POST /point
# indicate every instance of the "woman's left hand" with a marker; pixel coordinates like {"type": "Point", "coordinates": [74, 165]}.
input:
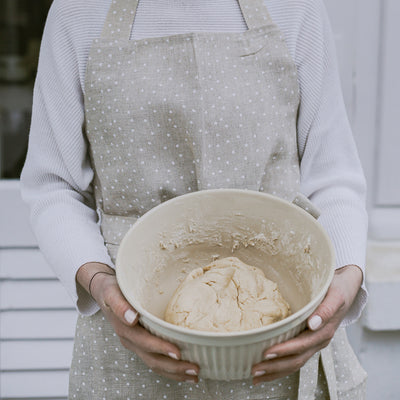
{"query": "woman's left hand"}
{"type": "Point", "coordinates": [288, 357]}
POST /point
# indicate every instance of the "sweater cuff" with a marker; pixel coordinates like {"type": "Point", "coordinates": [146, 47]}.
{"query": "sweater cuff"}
{"type": "Point", "coordinates": [347, 255]}
{"type": "Point", "coordinates": [347, 227]}
{"type": "Point", "coordinates": [354, 313]}
{"type": "Point", "coordinates": [85, 304]}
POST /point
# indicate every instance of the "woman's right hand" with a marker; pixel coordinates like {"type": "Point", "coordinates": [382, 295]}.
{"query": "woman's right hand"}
{"type": "Point", "coordinates": [159, 355]}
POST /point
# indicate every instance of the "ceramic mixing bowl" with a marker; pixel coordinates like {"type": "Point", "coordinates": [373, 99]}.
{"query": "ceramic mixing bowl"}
{"type": "Point", "coordinates": [192, 230]}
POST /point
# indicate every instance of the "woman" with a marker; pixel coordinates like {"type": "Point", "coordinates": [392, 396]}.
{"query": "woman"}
{"type": "Point", "coordinates": [136, 103]}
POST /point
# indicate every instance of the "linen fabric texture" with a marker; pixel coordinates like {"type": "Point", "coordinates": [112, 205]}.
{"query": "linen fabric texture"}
{"type": "Point", "coordinates": [171, 115]}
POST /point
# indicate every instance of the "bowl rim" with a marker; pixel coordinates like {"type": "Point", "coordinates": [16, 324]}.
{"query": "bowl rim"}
{"type": "Point", "coordinates": [288, 321]}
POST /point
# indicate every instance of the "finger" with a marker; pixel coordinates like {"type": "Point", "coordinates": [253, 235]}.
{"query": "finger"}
{"type": "Point", "coordinates": [164, 365]}
{"type": "Point", "coordinates": [268, 378]}
{"type": "Point", "coordinates": [281, 366]}
{"type": "Point", "coordinates": [115, 300]}
{"type": "Point", "coordinates": [329, 309]}
{"type": "Point", "coordinates": [179, 378]}
{"type": "Point", "coordinates": [300, 344]}
{"type": "Point", "coordinates": [139, 339]}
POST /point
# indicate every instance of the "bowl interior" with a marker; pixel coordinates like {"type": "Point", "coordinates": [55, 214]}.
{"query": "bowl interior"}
{"type": "Point", "coordinates": [192, 230]}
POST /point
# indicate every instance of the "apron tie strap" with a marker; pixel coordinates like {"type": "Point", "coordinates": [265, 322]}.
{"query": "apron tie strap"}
{"type": "Point", "coordinates": [304, 203]}
{"type": "Point", "coordinates": [329, 370]}
{"type": "Point", "coordinates": [308, 380]}
{"type": "Point", "coordinates": [114, 227]}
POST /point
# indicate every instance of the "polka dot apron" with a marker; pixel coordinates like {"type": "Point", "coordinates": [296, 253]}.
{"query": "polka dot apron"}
{"type": "Point", "coordinates": [171, 115]}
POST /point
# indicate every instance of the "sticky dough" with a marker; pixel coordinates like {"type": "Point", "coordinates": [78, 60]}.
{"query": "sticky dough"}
{"type": "Point", "coordinates": [224, 296]}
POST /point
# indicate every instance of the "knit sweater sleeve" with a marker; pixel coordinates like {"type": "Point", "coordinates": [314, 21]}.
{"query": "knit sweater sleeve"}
{"type": "Point", "coordinates": [56, 178]}
{"type": "Point", "coordinates": [331, 173]}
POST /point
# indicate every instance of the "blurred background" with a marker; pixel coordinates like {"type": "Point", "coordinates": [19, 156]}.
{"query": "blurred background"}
{"type": "Point", "coordinates": [21, 26]}
{"type": "Point", "coordinates": [37, 319]}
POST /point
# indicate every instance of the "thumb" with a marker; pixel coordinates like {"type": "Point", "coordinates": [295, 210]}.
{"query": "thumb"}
{"type": "Point", "coordinates": [115, 300]}
{"type": "Point", "coordinates": [327, 310]}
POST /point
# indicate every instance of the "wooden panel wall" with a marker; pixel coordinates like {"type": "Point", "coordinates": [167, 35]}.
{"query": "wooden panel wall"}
{"type": "Point", "coordinates": [37, 318]}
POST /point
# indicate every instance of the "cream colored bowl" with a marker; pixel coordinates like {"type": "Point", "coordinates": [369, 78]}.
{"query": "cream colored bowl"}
{"type": "Point", "coordinates": [189, 231]}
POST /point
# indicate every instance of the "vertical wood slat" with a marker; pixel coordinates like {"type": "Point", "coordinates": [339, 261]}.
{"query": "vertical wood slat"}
{"type": "Point", "coordinates": [387, 180]}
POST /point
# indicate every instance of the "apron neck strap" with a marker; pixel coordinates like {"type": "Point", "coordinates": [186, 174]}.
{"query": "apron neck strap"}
{"type": "Point", "coordinates": [120, 17]}
{"type": "Point", "coordinates": [255, 13]}
{"type": "Point", "coordinates": [119, 20]}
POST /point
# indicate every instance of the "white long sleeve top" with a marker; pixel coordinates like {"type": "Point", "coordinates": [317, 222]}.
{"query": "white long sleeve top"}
{"type": "Point", "coordinates": [56, 179]}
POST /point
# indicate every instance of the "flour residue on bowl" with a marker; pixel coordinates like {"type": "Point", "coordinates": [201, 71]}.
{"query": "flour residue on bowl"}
{"type": "Point", "coordinates": [268, 237]}
{"type": "Point", "coordinates": [265, 238]}
{"type": "Point", "coordinates": [284, 254]}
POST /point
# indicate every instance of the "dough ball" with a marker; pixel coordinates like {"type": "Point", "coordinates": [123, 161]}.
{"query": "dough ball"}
{"type": "Point", "coordinates": [224, 296]}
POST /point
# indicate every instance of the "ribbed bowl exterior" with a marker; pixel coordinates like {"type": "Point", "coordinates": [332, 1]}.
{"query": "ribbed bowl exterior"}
{"type": "Point", "coordinates": [226, 362]}
{"type": "Point", "coordinates": [231, 355]}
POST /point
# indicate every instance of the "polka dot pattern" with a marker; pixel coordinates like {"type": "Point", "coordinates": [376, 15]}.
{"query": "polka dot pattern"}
{"type": "Point", "coordinates": [170, 115]}
{"type": "Point", "coordinates": [102, 368]}
{"type": "Point", "coordinates": [121, 16]}
{"type": "Point", "coordinates": [190, 112]}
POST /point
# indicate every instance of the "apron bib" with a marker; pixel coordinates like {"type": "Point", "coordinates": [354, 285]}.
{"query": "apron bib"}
{"type": "Point", "coordinates": [171, 115]}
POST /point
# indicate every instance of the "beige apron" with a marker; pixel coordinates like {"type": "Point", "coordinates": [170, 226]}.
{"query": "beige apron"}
{"type": "Point", "coordinates": [187, 112]}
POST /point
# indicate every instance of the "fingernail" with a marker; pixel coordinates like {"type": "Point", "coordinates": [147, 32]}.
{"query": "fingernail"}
{"type": "Point", "coordinates": [315, 322]}
{"type": "Point", "coordinates": [190, 381]}
{"type": "Point", "coordinates": [130, 316]}
{"type": "Point", "coordinates": [191, 372]}
{"type": "Point", "coordinates": [270, 356]}
{"type": "Point", "coordinates": [259, 373]}
{"type": "Point", "coordinates": [174, 356]}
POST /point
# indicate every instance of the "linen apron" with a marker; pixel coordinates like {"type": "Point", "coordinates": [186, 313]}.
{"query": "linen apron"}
{"type": "Point", "coordinates": [171, 115]}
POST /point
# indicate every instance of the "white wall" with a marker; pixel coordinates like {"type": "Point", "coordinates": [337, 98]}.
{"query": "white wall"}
{"type": "Point", "coordinates": [367, 33]}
